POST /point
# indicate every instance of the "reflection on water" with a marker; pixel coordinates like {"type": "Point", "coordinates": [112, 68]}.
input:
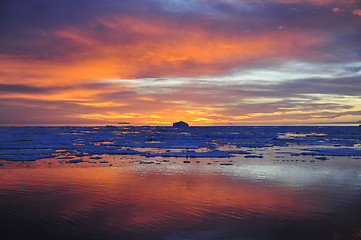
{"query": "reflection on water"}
{"type": "Point", "coordinates": [157, 202]}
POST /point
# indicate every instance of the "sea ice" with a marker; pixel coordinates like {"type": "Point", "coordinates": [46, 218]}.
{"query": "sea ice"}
{"type": "Point", "coordinates": [65, 158]}
{"type": "Point", "coordinates": [253, 156]}
{"type": "Point", "coordinates": [192, 154]}
{"type": "Point", "coordinates": [333, 151]}
{"type": "Point", "coordinates": [75, 161]}
{"type": "Point", "coordinates": [19, 157]}
{"type": "Point", "coordinates": [32, 143]}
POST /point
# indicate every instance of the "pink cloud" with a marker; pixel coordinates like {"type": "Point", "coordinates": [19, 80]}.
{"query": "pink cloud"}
{"type": "Point", "coordinates": [357, 12]}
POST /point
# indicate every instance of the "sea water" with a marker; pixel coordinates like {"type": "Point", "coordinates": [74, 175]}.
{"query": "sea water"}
{"type": "Point", "coordinates": [192, 183]}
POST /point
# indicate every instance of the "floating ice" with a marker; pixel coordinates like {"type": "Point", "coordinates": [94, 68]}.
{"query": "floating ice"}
{"type": "Point", "coordinates": [253, 156]}
{"type": "Point", "coordinates": [32, 143]}
{"type": "Point", "coordinates": [333, 151]}
{"type": "Point", "coordinates": [26, 151]}
{"type": "Point", "coordinates": [146, 162]}
{"type": "Point", "coordinates": [83, 154]}
{"type": "Point", "coordinates": [19, 157]}
{"type": "Point", "coordinates": [193, 154]}
{"type": "Point", "coordinates": [75, 161]}
{"type": "Point", "coordinates": [173, 144]}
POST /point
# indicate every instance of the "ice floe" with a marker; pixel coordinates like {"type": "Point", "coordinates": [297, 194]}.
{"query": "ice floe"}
{"type": "Point", "coordinates": [333, 151]}
{"type": "Point", "coordinates": [193, 154]}
{"type": "Point", "coordinates": [75, 161]}
{"type": "Point", "coordinates": [253, 156]}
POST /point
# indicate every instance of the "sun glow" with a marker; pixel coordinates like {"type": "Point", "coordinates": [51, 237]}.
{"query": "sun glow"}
{"type": "Point", "coordinates": [205, 65]}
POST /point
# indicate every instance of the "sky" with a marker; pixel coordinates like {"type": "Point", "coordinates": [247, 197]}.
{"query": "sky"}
{"type": "Point", "coordinates": [155, 62]}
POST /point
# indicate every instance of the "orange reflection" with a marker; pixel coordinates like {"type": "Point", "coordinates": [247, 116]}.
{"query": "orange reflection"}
{"type": "Point", "coordinates": [157, 199]}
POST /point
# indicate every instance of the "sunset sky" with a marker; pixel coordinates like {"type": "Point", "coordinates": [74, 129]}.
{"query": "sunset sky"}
{"type": "Point", "coordinates": [154, 62]}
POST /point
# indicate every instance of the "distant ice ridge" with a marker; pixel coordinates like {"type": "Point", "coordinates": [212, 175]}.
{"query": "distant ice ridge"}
{"type": "Point", "coordinates": [32, 143]}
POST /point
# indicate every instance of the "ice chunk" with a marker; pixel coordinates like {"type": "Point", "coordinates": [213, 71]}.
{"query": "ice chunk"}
{"type": "Point", "coordinates": [26, 151]}
{"type": "Point", "coordinates": [239, 152]}
{"type": "Point", "coordinates": [83, 154]}
{"type": "Point", "coordinates": [146, 162]}
{"type": "Point", "coordinates": [253, 156]}
{"type": "Point", "coordinates": [19, 157]}
{"type": "Point", "coordinates": [65, 157]}
{"type": "Point", "coordinates": [333, 151]}
{"type": "Point", "coordinates": [193, 154]}
{"type": "Point", "coordinates": [121, 152]}
{"type": "Point", "coordinates": [75, 161]}
{"type": "Point", "coordinates": [180, 124]}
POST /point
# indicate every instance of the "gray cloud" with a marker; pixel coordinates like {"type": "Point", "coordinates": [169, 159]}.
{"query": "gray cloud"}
{"type": "Point", "coordinates": [20, 88]}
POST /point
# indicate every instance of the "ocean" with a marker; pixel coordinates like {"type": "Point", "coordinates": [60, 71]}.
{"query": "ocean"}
{"type": "Point", "coordinates": [254, 183]}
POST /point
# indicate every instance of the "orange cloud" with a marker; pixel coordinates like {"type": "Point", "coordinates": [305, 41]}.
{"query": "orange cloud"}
{"type": "Point", "coordinates": [159, 49]}
{"type": "Point", "coordinates": [135, 47]}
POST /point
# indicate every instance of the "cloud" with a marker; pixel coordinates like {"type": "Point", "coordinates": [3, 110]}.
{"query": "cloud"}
{"type": "Point", "coordinates": [204, 103]}
{"type": "Point", "coordinates": [132, 47]}
{"type": "Point", "coordinates": [20, 88]}
{"type": "Point", "coordinates": [338, 86]}
{"type": "Point", "coordinates": [313, 2]}
{"type": "Point", "coordinates": [152, 61]}
{"type": "Point", "coordinates": [357, 12]}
